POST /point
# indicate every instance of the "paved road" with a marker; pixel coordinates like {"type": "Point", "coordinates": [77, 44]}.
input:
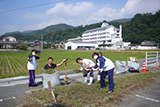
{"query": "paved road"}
{"type": "Point", "coordinates": [12, 94]}
{"type": "Point", "coordinates": [147, 97]}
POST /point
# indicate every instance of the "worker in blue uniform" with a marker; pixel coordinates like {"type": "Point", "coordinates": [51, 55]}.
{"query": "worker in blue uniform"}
{"type": "Point", "coordinates": [106, 66]}
{"type": "Point", "coordinates": [31, 66]}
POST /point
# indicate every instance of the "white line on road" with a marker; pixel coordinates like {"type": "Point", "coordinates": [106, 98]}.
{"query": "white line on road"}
{"type": "Point", "coordinates": [8, 98]}
{"type": "Point", "coordinates": [151, 99]}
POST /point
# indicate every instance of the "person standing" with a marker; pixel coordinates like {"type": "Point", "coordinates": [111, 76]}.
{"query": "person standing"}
{"type": "Point", "coordinates": [87, 64]}
{"type": "Point", "coordinates": [106, 66]}
{"type": "Point", "coordinates": [31, 66]}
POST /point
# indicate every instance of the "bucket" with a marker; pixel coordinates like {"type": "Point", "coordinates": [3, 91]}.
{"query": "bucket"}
{"type": "Point", "coordinates": [66, 80]}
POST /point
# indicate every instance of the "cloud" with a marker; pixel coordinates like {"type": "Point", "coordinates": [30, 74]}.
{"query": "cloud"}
{"type": "Point", "coordinates": [34, 15]}
{"type": "Point", "coordinates": [80, 9]}
{"type": "Point", "coordinates": [131, 8]}
{"type": "Point", "coordinates": [140, 6]}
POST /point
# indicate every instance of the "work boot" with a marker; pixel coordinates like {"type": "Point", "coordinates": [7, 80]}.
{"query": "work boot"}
{"type": "Point", "coordinates": [91, 80]}
{"type": "Point", "coordinates": [85, 80]}
{"type": "Point", "coordinates": [98, 79]}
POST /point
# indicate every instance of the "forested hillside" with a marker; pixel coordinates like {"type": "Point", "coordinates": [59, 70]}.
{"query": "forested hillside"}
{"type": "Point", "coordinates": [49, 29]}
{"type": "Point", "coordinates": [36, 34]}
{"type": "Point", "coordinates": [141, 27]}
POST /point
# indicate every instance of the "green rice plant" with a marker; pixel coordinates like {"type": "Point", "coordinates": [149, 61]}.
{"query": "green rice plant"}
{"type": "Point", "coordinates": [17, 63]}
{"type": "Point", "coordinates": [7, 67]}
{"type": "Point", "coordinates": [4, 65]}
{"type": "Point", "coordinates": [13, 65]}
{"type": "Point", "coordinates": [10, 67]}
{"type": "Point", "coordinates": [18, 69]}
{"type": "Point", "coordinates": [22, 69]}
{"type": "Point", "coordinates": [19, 60]}
{"type": "Point", "coordinates": [1, 61]}
{"type": "Point", "coordinates": [13, 68]}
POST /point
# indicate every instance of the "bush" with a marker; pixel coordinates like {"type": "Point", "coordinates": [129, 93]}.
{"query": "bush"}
{"type": "Point", "coordinates": [105, 45]}
{"type": "Point", "coordinates": [23, 47]}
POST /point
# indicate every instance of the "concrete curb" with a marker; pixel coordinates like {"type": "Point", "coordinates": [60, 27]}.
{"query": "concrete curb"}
{"type": "Point", "coordinates": [25, 79]}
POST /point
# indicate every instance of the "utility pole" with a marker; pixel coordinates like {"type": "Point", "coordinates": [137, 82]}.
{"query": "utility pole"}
{"type": "Point", "coordinates": [41, 42]}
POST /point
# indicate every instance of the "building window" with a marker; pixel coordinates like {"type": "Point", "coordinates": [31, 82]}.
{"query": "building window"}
{"type": "Point", "coordinates": [69, 48]}
{"type": "Point", "coordinates": [7, 39]}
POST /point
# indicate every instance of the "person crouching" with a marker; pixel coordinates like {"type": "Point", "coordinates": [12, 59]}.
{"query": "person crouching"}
{"type": "Point", "coordinates": [87, 64]}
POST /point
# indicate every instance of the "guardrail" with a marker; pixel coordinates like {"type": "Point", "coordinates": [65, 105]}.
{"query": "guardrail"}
{"type": "Point", "coordinates": [151, 58]}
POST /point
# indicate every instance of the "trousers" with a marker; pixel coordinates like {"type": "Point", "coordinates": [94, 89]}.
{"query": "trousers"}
{"type": "Point", "coordinates": [32, 77]}
{"type": "Point", "coordinates": [110, 79]}
{"type": "Point", "coordinates": [86, 72]}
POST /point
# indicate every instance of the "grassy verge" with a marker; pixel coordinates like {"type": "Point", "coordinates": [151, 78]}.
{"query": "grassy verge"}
{"type": "Point", "coordinates": [79, 95]}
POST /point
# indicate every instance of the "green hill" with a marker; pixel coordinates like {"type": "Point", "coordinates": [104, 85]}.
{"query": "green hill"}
{"type": "Point", "coordinates": [141, 27]}
{"type": "Point", "coordinates": [49, 29]}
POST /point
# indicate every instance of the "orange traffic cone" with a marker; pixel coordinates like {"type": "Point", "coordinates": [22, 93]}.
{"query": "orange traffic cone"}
{"type": "Point", "coordinates": [144, 68]}
{"type": "Point", "coordinates": [157, 65]}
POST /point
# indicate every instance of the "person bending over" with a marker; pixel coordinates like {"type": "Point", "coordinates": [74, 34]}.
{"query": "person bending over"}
{"type": "Point", "coordinates": [106, 66]}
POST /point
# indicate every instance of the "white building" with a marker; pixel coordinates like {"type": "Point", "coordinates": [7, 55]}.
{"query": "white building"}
{"type": "Point", "coordinates": [106, 34]}
{"type": "Point", "coordinates": [78, 44]}
{"type": "Point", "coordinates": [8, 42]}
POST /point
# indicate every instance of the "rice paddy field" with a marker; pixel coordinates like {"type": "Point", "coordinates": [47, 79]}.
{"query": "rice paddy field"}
{"type": "Point", "coordinates": [15, 64]}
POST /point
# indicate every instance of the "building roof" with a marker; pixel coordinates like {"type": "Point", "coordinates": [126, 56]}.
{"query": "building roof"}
{"type": "Point", "coordinates": [83, 42]}
{"type": "Point", "coordinates": [75, 39]}
{"type": "Point", "coordinates": [148, 43]}
{"type": "Point", "coordinates": [7, 36]}
{"type": "Point", "coordinates": [119, 43]}
{"type": "Point", "coordinates": [8, 42]}
{"type": "Point", "coordinates": [105, 26]}
{"type": "Point", "coordinates": [27, 42]}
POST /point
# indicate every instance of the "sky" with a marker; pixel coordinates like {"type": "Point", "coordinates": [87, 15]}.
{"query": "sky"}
{"type": "Point", "coordinates": [22, 15]}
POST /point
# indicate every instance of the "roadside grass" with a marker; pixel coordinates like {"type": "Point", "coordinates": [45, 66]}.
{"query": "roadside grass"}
{"type": "Point", "coordinates": [18, 61]}
{"type": "Point", "coordinates": [80, 95]}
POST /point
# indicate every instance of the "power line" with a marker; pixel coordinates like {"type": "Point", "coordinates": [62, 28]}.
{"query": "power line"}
{"type": "Point", "coordinates": [32, 6]}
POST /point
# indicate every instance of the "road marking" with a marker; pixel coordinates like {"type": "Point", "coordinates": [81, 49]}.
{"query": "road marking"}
{"type": "Point", "coordinates": [151, 99]}
{"type": "Point", "coordinates": [8, 98]}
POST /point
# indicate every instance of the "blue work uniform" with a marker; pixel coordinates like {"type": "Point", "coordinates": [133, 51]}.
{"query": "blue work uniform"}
{"type": "Point", "coordinates": [31, 66]}
{"type": "Point", "coordinates": [107, 67]}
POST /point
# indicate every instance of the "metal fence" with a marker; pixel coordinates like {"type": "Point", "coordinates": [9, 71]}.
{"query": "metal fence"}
{"type": "Point", "coordinates": [151, 58]}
